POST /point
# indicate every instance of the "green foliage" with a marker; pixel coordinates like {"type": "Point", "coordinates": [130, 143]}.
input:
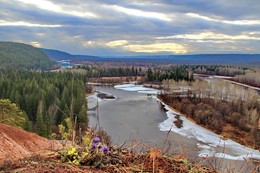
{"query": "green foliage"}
{"type": "Point", "coordinates": [86, 141]}
{"type": "Point", "coordinates": [69, 124]}
{"type": "Point", "coordinates": [11, 114]}
{"type": "Point", "coordinates": [23, 56]}
{"type": "Point", "coordinates": [63, 134]}
{"type": "Point", "coordinates": [40, 127]}
{"type": "Point", "coordinates": [70, 155]}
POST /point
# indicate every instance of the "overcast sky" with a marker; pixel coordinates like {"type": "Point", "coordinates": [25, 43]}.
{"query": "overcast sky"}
{"type": "Point", "coordinates": [134, 27]}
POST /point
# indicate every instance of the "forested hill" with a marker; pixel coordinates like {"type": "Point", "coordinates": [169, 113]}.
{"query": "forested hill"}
{"type": "Point", "coordinates": [57, 55]}
{"type": "Point", "coordinates": [23, 56]}
{"type": "Point", "coordinates": [60, 55]}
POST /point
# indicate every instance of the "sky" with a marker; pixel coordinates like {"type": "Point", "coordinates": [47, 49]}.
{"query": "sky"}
{"type": "Point", "coordinates": [134, 27]}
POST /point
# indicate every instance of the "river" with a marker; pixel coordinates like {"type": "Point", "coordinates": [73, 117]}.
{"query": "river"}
{"type": "Point", "coordinates": [135, 116]}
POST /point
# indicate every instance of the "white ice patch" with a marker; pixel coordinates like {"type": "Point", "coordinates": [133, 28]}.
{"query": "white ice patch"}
{"type": "Point", "coordinates": [154, 92]}
{"type": "Point", "coordinates": [137, 88]}
{"type": "Point", "coordinates": [209, 139]}
{"type": "Point", "coordinates": [93, 99]}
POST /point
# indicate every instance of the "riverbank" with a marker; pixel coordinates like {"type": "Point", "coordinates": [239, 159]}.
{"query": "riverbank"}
{"type": "Point", "coordinates": [210, 140]}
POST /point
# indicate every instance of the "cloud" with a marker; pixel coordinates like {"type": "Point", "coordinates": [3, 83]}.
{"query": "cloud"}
{"type": "Point", "coordinates": [210, 36]}
{"type": "Point", "coordinates": [24, 23]}
{"type": "Point", "coordinates": [35, 44]}
{"type": "Point", "coordinates": [88, 44]}
{"type": "Point", "coordinates": [133, 27]}
{"type": "Point", "coordinates": [157, 47]}
{"type": "Point", "coordinates": [234, 22]}
{"type": "Point", "coordinates": [116, 43]}
{"type": "Point", "coordinates": [50, 6]}
{"type": "Point", "coordinates": [140, 13]}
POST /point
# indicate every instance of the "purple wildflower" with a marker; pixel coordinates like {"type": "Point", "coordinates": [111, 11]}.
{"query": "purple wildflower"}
{"type": "Point", "coordinates": [96, 140]}
{"type": "Point", "coordinates": [94, 145]}
{"type": "Point", "coordinates": [105, 149]}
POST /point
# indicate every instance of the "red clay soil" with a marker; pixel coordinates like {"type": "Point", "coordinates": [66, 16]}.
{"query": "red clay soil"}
{"type": "Point", "coordinates": [16, 143]}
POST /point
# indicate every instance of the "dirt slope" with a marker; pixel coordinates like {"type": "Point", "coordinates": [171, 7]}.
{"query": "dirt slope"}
{"type": "Point", "coordinates": [16, 143]}
{"type": "Point", "coordinates": [24, 152]}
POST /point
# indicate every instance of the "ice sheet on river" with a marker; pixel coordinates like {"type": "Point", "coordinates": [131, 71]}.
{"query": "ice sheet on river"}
{"type": "Point", "coordinates": [137, 88]}
{"type": "Point", "coordinates": [209, 141]}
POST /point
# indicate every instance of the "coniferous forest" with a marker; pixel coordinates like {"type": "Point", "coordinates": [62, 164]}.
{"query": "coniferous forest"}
{"type": "Point", "coordinates": [23, 56]}
{"type": "Point", "coordinates": [46, 98]}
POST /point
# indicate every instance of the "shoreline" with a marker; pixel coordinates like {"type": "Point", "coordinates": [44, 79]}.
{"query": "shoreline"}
{"type": "Point", "coordinates": [224, 135]}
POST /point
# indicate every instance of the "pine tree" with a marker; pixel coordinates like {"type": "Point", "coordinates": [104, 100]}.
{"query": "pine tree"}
{"type": "Point", "coordinates": [40, 127]}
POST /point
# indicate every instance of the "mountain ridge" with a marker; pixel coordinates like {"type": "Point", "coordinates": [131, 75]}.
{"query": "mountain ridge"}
{"type": "Point", "coordinates": [207, 59]}
{"type": "Point", "coordinates": [58, 55]}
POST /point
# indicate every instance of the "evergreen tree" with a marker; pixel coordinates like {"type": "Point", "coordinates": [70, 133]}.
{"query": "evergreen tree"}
{"type": "Point", "coordinates": [40, 127]}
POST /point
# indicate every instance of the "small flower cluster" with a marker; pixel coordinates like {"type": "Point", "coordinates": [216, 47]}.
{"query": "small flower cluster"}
{"type": "Point", "coordinates": [71, 155]}
{"type": "Point", "coordinates": [97, 145]}
{"type": "Point", "coordinates": [94, 151]}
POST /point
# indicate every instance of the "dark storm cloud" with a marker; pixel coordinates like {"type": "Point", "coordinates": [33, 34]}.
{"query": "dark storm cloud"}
{"type": "Point", "coordinates": [133, 26]}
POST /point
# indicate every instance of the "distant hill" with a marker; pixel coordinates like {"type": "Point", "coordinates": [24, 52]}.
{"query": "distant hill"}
{"type": "Point", "coordinates": [23, 56]}
{"type": "Point", "coordinates": [87, 57]}
{"type": "Point", "coordinates": [60, 55]}
{"type": "Point", "coordinates": [57, 55]}
{"type": "Point", "coordinates": [207, 59]}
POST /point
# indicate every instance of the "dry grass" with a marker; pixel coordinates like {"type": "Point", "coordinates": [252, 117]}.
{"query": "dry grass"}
{"type": "Point", "coordinates": [119, 160]}
{"type": "Point", "coordinates": [237, 135]}
{"type": "Point", "coordinates": [128, 160]}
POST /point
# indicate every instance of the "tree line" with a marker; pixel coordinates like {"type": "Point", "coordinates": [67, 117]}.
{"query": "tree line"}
{"type": "Point", "coordinates": [149, 74]}
{"type": "Point", "coordinates": [175, 74]}
{"type": "Point", "coordinates": [97, 72]}
{"type": "Point", "coordinates": [220, 70]}
{"type": "Point", "coordinates": [251, 79]}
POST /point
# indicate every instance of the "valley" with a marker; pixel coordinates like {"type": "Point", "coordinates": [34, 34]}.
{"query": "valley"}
{"type": "Point", "coordinates": [180, 108]}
